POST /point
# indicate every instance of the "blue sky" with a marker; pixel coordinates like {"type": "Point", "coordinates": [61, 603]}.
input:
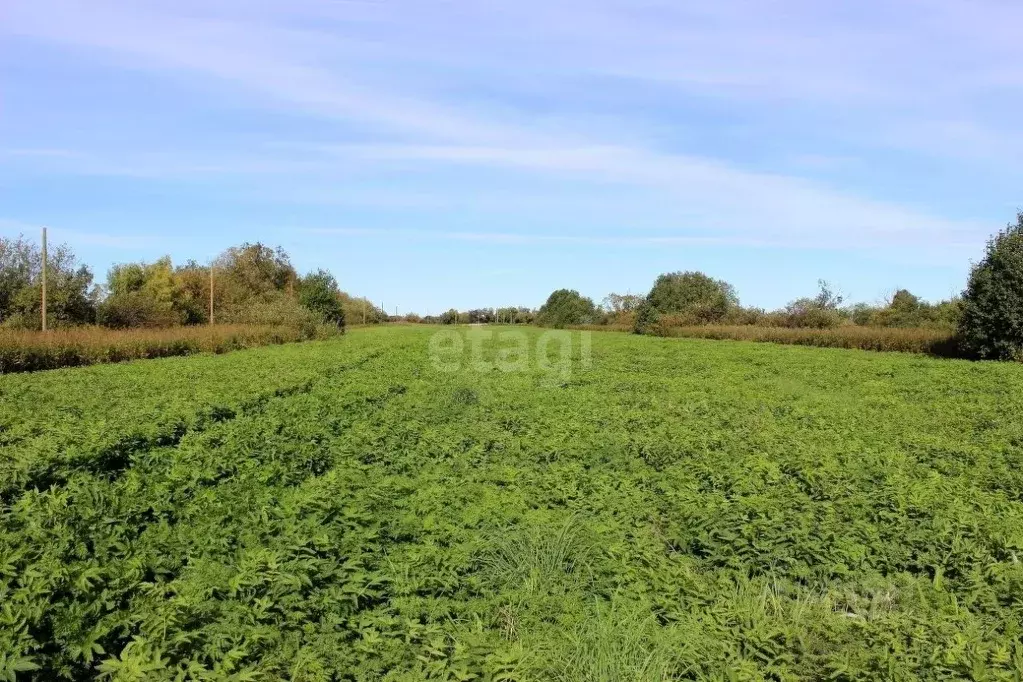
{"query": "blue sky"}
{"type": "Point", "coordinates": [455, 153]}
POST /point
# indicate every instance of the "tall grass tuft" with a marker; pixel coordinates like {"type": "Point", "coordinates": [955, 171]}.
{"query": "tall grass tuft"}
{"type": "Point", "coordinates": [618, 643]}
{"type": "Point", "coordinates": [30, 351]}
{"type": "Point", "coordinates": [536, 558]}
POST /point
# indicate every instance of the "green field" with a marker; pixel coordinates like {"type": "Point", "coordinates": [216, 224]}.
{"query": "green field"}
{"type": "Point", "coordinates": [668, 509]}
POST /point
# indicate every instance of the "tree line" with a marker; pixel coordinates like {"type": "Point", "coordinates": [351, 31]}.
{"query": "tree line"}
{"type": "Point", "coordinates": [985, 322]}
{"type": "Point", "coordinates": [251, 284]}
{"type": "Point", "coordinates": [257, 284]}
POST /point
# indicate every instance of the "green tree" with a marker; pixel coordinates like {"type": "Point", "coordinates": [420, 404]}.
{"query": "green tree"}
{"type": "Point", "coordinates": [252, 271]}
{"type": "Point", "coordinates": [192, 292]}
{"type": "Point", "coordinates": [693, 296]}
{"type": "Point", "coordinates": [142, 295]}
{"type": "Point", "coordinates": [621, 309]}
{"type": "Point", "coordinates": [906, 303]}
{"type": "Point", "coordinates": [991, 325]}
{"type": "Point", "coordinates": [566, 307]}
{"type": "Point", "coordinates": [618, 304]}
{"type": "Point", "coordinates": [318, 291]}
{"type": "Point", "coordinates": [70, 297]}
{"type": "Point", "coordinates": [359, 309]}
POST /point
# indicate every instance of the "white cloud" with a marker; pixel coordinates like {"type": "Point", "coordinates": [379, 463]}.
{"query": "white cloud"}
{"type": "Point", "coordinates": [56, 235]}
{"type": "Point", "coordinates": [405, 75]}
{"type": "Point", "coordinates": [782, 208]}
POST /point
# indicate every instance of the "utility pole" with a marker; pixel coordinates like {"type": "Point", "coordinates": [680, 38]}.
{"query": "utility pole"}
{"type": "Point", "coordinates": [44, 279]}
{"type": "Point", "coordinates": [211, 294]}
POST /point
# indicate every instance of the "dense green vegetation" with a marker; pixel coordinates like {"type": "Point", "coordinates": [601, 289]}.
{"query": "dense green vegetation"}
{"type": "Point", "coordinates": [692, 296]}
{"type": "Point", "coordinates": [566, 307]}
{"type": "Point", "coordinates": [257, 285]}
{"type": "Point", "coordinates": [670, 509]}
{"type": "Point", "coordinates": [252, 284]}
{"type": "Point", "coordinates": [992, 321]}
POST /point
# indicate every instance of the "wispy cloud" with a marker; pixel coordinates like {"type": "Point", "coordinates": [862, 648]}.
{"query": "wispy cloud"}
{"type": "Point", "coordinates": [33, 231]}
{"type": "Point", "coordinates": [785, 209]}
{"type": "Point", "coordinates": [508, 87]}
{"type": "Point", "coordinates": [624, 239]}
{"type": "Point", "coordinates": [523, 239]}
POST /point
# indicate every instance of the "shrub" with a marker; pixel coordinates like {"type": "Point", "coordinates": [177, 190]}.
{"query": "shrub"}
{"type": "Point", "coordinates": [318, 292]}
{"type": "Point", "coordinates": [360, 310]}
{"type": "Point", "coordinates": [692, 296]}
{"type": "Point", "coordinates": [744, 316]}
{"type": "Point", "coordinates": [819, 312]}
{"type": "Point", "coordinates": [136, 309]}
{"type": "Point", "coordinates": [804, 314]}
{"type": "Point", "coordinates": [566, 307]}
{"type": "Point", "coordinates": [275, 309]}
{"type": "Point", "coordinates": [907, 310]}
{"type": "Point", "coordinates": [992, 319]}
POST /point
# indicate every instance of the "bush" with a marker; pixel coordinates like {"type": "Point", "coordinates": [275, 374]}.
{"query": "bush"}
{"type": "Point", "coordinates": [804, 314]}
{"type": "Point", "coordinates": [690, 296]}
{"type": "Point", "coordinates": [275, 309]}
{"type": "Point", "coordinates": [567, 307]}
{"type": "Point", "coordinates": [819, 312]}
{"type": "Point", "coordinates": [738, 315]}
{"type": "Point", "coordinates": [907, 310]}
{"type": "Point", "coordinates": [137, 309]}
{"type": "Point", "coordinates": [318, 292]}
{"type": "Point", "coordinates": [991, 326]}
{"type": "Point", "coordinates": [360, 310]}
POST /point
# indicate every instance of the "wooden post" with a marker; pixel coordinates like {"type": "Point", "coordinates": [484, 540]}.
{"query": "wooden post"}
{"type": "Point", "coordinates": [44, 279]}
{"type": "Point", "coordinates": [211, 294]}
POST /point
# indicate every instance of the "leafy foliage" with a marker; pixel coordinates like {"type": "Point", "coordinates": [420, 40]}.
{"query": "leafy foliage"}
{"type": "Point", "coordinates": [361, 310]}
{"type": "Point", "coordinates": [566, 307]}
{"type": "Point", "coordinates": [141, 295]}
{"type": "Point", "coordinates": [70, 295]}
{"type": "Point", "coordinates": [677, 510]}
{"type": "Point", "coordinates": [692, 297]}
{"type": "Point", "coordinates": [819, 312]}
{"type": "Point", "coordinates": [318, 292]}
{"type": "Point", "coordinates": [992, 319]}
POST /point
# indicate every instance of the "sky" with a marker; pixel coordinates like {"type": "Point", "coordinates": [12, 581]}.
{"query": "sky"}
{"type": "Point", "coordinates": [471, 154]}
